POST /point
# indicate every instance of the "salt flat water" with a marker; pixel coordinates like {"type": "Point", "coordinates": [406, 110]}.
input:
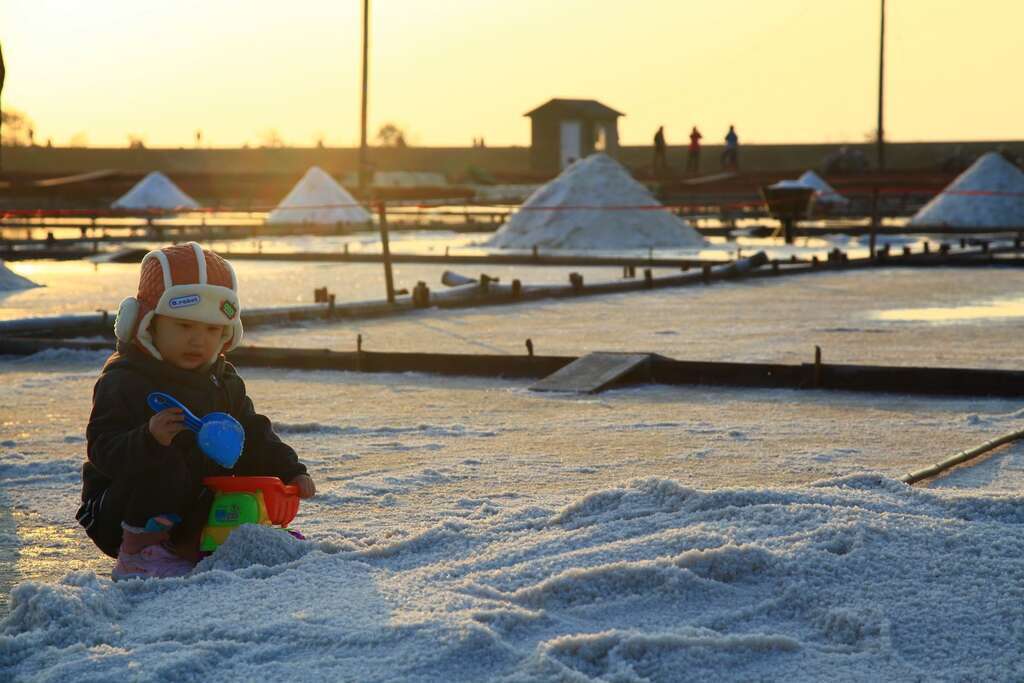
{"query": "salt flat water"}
{"type": "Point", "coordinates": [86, 286]}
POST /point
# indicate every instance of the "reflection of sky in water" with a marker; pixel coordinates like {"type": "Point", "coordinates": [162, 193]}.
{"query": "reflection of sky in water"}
{"type": "Point", "coordinates": [1000, 308]}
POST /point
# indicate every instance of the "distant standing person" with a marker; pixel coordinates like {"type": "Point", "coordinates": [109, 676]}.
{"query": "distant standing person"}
{"type": "Point", "coordinates": [660, 162]}
{"type": "Point", "coordinates": [693, 156]}
{"type": "Point", "coordinates": [731, 155]}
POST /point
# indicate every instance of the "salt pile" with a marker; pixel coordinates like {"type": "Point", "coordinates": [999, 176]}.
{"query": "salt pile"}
{"type": "Point", "coordinates": [824, 193]}
{"type": "Point", "coordinates": [587, 207]}
{"type": "Point", "coordinates": [11, 281]}
{"type": "Point", "coordinates": [155, 191]}
{"type": "Point", "coordinates": [852, 578]}
{"type": "Point", "coordinates": [989, 194]}
{"type": "Point", "coordinates": [318, 198]}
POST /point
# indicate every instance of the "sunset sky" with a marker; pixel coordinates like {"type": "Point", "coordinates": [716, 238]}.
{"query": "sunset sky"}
{"type": "Point", "coordinates": [447, 71]}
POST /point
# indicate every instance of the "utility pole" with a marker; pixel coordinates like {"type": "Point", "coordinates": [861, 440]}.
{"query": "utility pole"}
{"type": "Point", "coordinates": [881, 92]}
{"type": "Point", "coordinates": [3, 73]}
{"type": "Point", "coordinates": [880, 141]}
{"type": "Point", "coordinates": [362, 129]}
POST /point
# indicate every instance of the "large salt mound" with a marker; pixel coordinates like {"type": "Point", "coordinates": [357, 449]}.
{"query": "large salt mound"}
{"type": "Point", "coordinates": [567, 213]}
{"type": "Point", "coordinates": [989, 194]}
{"type": "Point", "coordinates": [852, 579]}
{"type": "Point", "coordinates": [318, 198]}
{"type": "Point", "coordinates": [155, 191]}
{"type": "Point", "coordinates": [11, 281]}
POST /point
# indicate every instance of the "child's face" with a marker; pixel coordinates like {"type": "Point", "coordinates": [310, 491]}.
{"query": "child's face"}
{"type": "Point", "coordinates": [184, 343]}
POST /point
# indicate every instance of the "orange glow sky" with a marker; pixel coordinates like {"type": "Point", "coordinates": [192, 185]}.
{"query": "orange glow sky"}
{"type": "Point", "coordinates": [450, 70]}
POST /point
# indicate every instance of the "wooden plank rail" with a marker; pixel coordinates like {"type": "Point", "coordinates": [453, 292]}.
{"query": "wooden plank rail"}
{"type": "Point", "coordinates": [960, 458]}
{"type": "Point", "coordinates": [93, 236]}
{"type": "Point", "coordinates": [968, 382]}
{"type": "Point", "coordinates": [541, 259]}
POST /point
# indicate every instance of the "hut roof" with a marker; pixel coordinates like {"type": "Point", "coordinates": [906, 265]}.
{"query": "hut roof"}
{"type": "Point", "coordinates": [591, 109]}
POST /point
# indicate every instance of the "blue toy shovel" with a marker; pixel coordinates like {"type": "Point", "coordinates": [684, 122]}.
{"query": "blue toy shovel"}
{"type": "Point", "coordinates": [220, 436]}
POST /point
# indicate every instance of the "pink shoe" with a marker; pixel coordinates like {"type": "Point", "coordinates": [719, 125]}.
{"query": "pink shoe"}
{"type": "Point", "coordinates": [153, 561]}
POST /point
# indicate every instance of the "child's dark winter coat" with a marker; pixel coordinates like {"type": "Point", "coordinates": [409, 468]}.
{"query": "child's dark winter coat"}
{"type": "Point", "coordinates": [130, 477]}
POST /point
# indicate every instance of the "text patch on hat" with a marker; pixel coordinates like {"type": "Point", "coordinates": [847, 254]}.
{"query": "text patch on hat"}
{"type": "Point", "coordinates": [183, 301]}
{"type": "Point", "coordinates": [228, 309]}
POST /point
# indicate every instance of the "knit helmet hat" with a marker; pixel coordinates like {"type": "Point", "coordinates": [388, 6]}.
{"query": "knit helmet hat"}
{"type": "Point", "coordinates": [183, 281]}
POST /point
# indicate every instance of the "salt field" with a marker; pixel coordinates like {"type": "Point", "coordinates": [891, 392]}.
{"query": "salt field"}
{"type": "Point", "coordinates": [84, 286]}
{"type": "Point", "coordinates": [471, 529]}
{"type": "Point", "coordinates": [597, 376]}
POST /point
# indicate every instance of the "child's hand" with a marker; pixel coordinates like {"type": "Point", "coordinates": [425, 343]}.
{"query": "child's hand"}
{"type": "Point", "coordinates": [166, 424]}
{"type": "Point", "coordinates": [307, 489]}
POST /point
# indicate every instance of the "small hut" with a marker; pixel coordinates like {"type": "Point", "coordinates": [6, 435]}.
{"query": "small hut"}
{"type": "Point", "coordinates": [566, 130]}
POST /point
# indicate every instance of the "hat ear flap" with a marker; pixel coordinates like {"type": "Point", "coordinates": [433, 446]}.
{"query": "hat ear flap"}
{"type": "Point", "coordinates": [232, 335]}
{"type": "Point", "coordinates": [127, 318]}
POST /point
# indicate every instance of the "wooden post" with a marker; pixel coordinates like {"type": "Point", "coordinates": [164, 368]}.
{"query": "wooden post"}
{"type": "Point", "coordinates": [872, 241]}
{"type": "Point", "coordinates": [881, 91]}
{"type": "Point", "coordinates": [421, 295]}
{"type": "Point", "coordinates": [363, 170]}
{"type": "Point", "coordinates": [359, 343]}
{"type": "Point", "coordinates": [817, 367]}
{"type": "Point", "coordinates": [330, 305]}
{"type": "Point", "coordinates": [576, 280]}
{"type": "Point", "coordinates": [648, 278]}
{"type": "Point", "coordinates": [385, 247]}
{"type": "Point", "coordinates": [529, 347]}
{"type": "Point", "coordinates": [787, 228]}
{"type": "Point", "coordinates": [517, 289]}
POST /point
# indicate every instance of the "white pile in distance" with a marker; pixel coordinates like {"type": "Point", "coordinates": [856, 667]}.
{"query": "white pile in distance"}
{"type": "Point", "coordinates": [11, 281]}
{"type": "Point", "coordinates": [825, 193]}
{"type": "Point", "coordinates": [989, 194]}
{"type": "Point", "coordinates": [155, 191]}
{"type": "Point", "coordinates": [561, 214]}
{"type": "Point", "coordinates": [318, 198]}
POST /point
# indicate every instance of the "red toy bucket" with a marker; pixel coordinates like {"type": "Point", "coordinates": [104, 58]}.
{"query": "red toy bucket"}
{"type": "Point", "coordinates": [282, 501]}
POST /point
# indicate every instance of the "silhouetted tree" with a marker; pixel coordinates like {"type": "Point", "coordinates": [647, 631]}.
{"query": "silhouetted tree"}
{"type": "Point", "coordinates": [17, 128]}
{"type": "Point", "coordinates": [391, 135]}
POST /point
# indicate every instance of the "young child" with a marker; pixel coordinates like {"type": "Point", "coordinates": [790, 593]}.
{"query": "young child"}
{"type": "Point", "coordinates": [143, 500]}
